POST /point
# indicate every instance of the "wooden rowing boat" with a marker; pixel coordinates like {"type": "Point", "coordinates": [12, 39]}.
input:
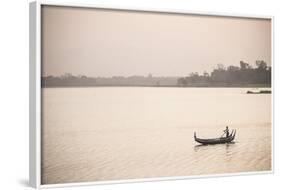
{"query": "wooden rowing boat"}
{"type": "Point", "coordinates": [220, 140]}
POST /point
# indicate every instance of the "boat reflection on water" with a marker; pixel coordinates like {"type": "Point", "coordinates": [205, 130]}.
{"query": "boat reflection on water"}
{"type": "Point", "coordinates": [224, 153]}
{"type": "Point", "coordinates": [226, 146]}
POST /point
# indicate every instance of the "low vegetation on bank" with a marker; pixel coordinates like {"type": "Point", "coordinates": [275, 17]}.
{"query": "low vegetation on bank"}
{"type": "Point", "coordinates": [232, 76]}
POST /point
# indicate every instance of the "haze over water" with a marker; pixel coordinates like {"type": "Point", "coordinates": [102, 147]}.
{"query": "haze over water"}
{"type": "Point", "coordinates": [113, 133]}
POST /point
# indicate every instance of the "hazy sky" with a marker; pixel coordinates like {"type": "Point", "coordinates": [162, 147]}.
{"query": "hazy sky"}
{"type": "Point", "coordinates": [97, 42]}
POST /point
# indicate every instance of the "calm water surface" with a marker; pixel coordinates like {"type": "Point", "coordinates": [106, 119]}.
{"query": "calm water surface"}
{"type": "Point", "coordinates": [113, 133]}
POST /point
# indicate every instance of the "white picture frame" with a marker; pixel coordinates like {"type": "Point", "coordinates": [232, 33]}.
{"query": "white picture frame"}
{"type": "Point", "coordinates": [35, 89]}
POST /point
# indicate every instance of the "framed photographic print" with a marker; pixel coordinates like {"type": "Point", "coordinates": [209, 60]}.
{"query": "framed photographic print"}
{"type": "Point", "coordinates": [120, 94]}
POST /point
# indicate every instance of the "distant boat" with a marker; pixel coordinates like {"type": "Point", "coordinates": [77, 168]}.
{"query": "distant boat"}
{"type": "Point", "coordinates": [259, 92]}
{"type": "Point", "coordinates": [220, 140]}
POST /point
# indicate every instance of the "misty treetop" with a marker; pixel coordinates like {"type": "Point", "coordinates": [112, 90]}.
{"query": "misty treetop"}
{"type": "Point", "coordinates": [245, 75]}
{"type": "Point", "coordinates": [221, 76]}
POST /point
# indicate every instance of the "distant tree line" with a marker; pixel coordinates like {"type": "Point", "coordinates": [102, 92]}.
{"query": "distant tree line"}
{"type": "Point", "coordinates": [242, 76]}
{"type": "Point", "coordinates": [68, 80]}
{"type": "Point", "coordinates": [232, 76]}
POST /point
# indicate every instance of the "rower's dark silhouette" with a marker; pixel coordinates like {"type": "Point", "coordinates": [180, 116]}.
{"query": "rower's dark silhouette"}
{"type": "Point", "coordinates": [226, 131]}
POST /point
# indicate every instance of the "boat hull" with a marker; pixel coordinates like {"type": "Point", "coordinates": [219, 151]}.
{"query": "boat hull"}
{"type": "Point", "coordinates": [221, 140]}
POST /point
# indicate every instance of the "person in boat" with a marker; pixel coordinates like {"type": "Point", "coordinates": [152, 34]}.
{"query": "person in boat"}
{"type": "Point", "coordinates": [226, 131]}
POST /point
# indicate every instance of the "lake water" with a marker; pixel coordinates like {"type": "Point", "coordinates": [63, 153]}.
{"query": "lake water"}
{"type": "Point", "coordinates": [114, 133]}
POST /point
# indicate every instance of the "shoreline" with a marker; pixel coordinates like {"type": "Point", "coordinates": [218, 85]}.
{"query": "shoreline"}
{"type": "Point", "coordinates": [166, 86]}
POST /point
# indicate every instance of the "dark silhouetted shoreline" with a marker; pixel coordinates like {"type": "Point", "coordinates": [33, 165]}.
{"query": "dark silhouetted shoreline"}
{"type": "Point", "coordinates": [232, 76]}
